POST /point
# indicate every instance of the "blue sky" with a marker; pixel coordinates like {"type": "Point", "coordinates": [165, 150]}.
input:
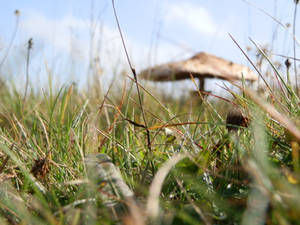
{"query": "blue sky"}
{"type": "Point", "coordinates": [156, 31]}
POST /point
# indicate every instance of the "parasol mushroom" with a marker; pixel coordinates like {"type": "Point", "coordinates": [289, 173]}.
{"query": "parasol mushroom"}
{"type": "Point", "coordinates": [202, 65]}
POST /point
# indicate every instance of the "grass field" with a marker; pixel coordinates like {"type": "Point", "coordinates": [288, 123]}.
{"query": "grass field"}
{"type": "Point", "coordinates": [184, 163]}
{"type": "Point", "coordinates": [247, 175]}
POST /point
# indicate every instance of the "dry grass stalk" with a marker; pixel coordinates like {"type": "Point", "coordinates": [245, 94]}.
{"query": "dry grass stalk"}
{"type": "Point", "coordinates": [152, 207]}
{"type": "Point", "coordinates": [282, 119]}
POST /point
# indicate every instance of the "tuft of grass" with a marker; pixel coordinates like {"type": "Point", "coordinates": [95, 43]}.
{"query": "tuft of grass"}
{"type": "Point", "coordinates": [229, 176]}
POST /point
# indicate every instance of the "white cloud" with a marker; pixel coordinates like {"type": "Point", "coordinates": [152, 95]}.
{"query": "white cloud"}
{"type": "Point", "coordinates": [193, 16]}
{"type": "Point", "coordinates": [66, 35]}
{"type": "Point", "coordinates": [60, 40]}
{"type": "Point", "coordinates": [70, 36]}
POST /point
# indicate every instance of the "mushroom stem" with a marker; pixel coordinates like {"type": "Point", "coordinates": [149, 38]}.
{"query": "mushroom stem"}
{"type": "Point", "coordinates": [201, 84]}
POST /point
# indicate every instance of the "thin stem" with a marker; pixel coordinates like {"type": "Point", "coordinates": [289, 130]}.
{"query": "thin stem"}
{"type": "Point", "coordinates": [135, 78]}
{"type": "Point", "coordinates": [294, 45]}
{"type": "Point", "coordinates": [17, 13]}
{"type": "Point", "coordinates": [29, 47]}
{"type": "Point", "coordinates": [251, 62]}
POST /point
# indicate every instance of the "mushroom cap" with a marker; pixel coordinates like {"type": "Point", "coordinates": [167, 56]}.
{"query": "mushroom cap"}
{"type": "Point", "coordinates": [235, 119]}
{"type": "Point", "coordinates": [201, 65]}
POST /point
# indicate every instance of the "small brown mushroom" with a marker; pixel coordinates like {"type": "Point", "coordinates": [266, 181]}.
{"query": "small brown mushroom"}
{"type": "Point", "coordinates": [235, 119]}
{"type": "Point", "coordinates": [202, 65]}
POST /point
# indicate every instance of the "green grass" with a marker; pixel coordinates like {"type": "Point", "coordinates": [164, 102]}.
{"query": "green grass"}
{"type": "Point", "coordinates": [246, 177]}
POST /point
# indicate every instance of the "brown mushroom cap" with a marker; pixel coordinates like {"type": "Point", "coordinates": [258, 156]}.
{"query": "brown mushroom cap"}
{"type": "Point", "coordinates": [235, 119]}
{"type": "Point", "coordinates": [201, 65]}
